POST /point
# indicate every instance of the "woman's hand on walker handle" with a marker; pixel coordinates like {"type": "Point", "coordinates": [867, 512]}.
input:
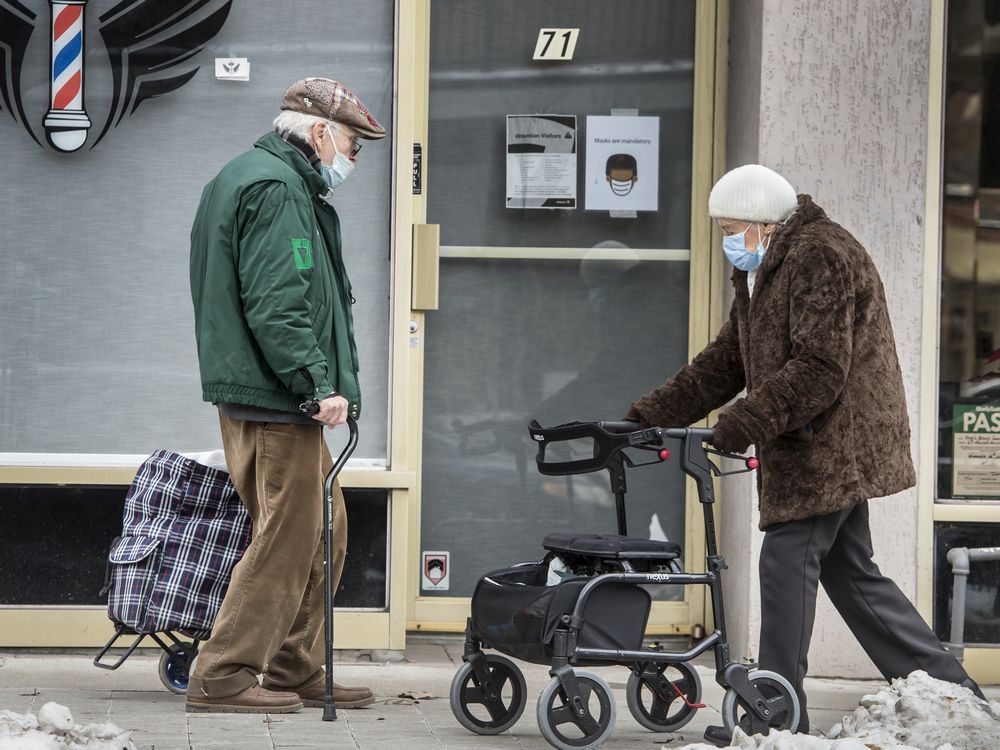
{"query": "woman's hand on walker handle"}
{"type": "Point", "coordinates": [634, 416]}
{"type": "Point", "coordinates": [728, 437]}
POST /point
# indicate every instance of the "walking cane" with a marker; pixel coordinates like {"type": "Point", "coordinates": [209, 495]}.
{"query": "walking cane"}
{"type": "Point", "coordinates": [312, 407]}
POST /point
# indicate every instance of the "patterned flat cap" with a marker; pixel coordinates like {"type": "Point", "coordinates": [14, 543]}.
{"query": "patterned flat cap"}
{"type": "Point", "coordinates": [331, 100]}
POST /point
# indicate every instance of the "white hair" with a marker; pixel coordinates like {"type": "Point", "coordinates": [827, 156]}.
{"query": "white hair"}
{"type": "Point", "coordinates": [295, 123]}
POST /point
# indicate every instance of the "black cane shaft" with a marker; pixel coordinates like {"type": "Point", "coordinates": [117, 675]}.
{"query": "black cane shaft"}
{"type": "Point", "coordinates": [329, 708]}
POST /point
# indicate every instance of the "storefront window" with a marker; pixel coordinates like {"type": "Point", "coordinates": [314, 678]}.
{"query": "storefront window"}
{"type": "Point", "coordinates": [97, 354]}
{"type": "Point", "coordinates": [969, 404]}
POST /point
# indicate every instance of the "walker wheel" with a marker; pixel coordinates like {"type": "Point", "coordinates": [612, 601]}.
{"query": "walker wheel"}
{"type": "Point", "coordinates": [780, 697]}
{"type": "Point", "coordinates": [175, 668]}
{"type": "Point", "coordinates": [660, 699]}
{"type": "Point", "coordinates": [491, 708]}
{"type": "Point", "coordinates": [583, 721]}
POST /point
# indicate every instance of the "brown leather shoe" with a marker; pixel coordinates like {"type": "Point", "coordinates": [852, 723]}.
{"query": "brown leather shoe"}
{"type": "Point", "coordinates": [314, 695]}
{"type": "Point", "coordinates": [254, 700]}
{"type": "Point", "coordinates": [343, 697]}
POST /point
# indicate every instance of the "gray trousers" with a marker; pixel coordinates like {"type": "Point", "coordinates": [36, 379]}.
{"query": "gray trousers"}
{"type": "Point", "coordinates": [836, 550]}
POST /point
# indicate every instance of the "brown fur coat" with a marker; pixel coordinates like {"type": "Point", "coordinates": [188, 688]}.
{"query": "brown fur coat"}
{"type": "Point", "coordinates": [814, 348]}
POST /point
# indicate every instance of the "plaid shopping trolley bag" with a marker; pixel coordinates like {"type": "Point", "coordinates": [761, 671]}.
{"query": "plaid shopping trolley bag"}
{"type": "Point", "coordinates": [184, 530]}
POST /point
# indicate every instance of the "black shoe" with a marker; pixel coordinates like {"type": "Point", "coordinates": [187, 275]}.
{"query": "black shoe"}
{"type": "Point", "coordinates": [970, 683]}
{"type": "Point", "coordinates": [718, 736]}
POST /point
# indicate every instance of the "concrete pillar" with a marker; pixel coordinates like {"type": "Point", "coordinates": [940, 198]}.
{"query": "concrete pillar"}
{"type": "Point", "coordinates": [833, 95]}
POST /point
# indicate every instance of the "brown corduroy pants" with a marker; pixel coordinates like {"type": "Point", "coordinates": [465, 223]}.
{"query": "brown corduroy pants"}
{"type": "Point", "coordinates": [271, 621]}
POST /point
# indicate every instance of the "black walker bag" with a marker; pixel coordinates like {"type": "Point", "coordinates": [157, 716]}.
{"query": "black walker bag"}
{"type": "Point", "coordinates": [515, 613]}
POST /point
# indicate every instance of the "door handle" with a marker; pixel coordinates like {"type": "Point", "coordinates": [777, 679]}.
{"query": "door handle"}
{"type": "Point", "coordinates": [426, 260]}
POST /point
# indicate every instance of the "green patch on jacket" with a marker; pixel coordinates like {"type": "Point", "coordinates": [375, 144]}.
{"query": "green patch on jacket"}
{"type": "Point", "coordinates": [302, 250]}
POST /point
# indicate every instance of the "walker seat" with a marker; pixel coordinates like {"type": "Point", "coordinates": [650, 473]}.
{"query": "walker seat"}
{"type": "Point", "coordinates": [611, 547]}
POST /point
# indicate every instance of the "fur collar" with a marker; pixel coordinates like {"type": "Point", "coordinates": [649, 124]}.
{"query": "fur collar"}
{"type": "Point", "coordinates": [784, 238]}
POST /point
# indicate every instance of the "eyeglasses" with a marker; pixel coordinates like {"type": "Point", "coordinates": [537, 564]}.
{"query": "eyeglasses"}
{"type": "Point", "coordinates": [355, 146]}
{"type": "Point", "coordinates": [729, 229]}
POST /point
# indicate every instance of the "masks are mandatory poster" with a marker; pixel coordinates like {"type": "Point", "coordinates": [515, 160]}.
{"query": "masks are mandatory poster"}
{"type": "Point", "coordinates": [976, 459]}
{"type": "Point", "coordinates": [541, 161]}
{"type": "Point", "coordinates": [623, 163]}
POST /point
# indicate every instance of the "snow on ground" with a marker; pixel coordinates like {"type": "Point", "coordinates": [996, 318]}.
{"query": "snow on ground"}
{"type": "Point", "coordinates": [915, 713]}
{"type": "Point", "coordinates": [54, 729]}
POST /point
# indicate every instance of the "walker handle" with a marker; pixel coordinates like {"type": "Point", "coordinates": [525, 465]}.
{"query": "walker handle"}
{"type": "Point", "coordinates": [624, 426]}
{"type": "Point", "coordinates": [606, 445]}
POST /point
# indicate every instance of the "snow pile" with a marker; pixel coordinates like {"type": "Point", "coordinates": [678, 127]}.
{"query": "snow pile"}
{"type": "Point", "coordinates": [915, 713]}
{"type": "Point", "coordinates": [789, 741]}
{"type": "Point", "coordinates": [54, 729]}
{"type": "Point", "coordinates": [926, 713]}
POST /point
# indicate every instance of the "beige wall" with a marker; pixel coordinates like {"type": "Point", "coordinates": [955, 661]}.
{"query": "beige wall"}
{"type": "Point", "coordinates": [833, 94]}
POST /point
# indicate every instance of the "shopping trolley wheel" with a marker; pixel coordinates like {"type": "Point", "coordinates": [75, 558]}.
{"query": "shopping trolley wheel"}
{"type": "Point", "coordinates": [780, 697]}
{"type": "Point", "coordinates": [175, 668]}
{"type": "Point", "coordinates": [665, 697]}
{"type": "Point", "coordinates": [493, 707]}
{"type": "Point", "coordinates": [559, 715]}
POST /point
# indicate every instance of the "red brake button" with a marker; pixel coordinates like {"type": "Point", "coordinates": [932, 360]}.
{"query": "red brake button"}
{"type": "Point", "coordinates": [753, 462]}
{"type": "Point", "coordinates": [664, 454]}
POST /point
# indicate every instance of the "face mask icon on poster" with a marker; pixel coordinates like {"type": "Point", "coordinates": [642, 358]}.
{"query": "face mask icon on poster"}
{"type": "Point", "coordinates": [621, 172]}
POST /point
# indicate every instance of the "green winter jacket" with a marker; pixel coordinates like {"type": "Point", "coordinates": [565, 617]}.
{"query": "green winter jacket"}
{"type": "Point", "coordinates": [272, 301]}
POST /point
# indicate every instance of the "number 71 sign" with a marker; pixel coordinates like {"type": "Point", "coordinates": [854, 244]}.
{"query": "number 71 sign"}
{"type": "Point", "coordinates": [556, 44]}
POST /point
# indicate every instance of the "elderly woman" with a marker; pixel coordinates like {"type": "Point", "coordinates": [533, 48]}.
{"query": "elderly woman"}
{"type": "Point", "coordinates": [809, 338]}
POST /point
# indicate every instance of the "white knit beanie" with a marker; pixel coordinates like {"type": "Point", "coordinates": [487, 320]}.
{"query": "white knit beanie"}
{"type": "Point", "coordinates": [752, 193]}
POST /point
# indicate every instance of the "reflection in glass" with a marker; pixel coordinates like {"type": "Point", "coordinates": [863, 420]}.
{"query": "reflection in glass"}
{"type": "Point", "coordinates": [557, 342]}
{"type": "Point", "coordinates": [982, 605]}
{"type": "Point", "coordinates": [633, 55]}
{"type": "Point", "coordinates": [552, 340]}
{"type": "Point", "coordinates": [970, 287]}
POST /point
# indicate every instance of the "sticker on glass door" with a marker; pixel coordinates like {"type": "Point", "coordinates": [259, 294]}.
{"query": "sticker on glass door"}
{"type": "Point", "coordinates": [435, 571]}
{"type": "Point", "coordinates": [541, 161]}
{"type": "Point", "coordinates": [623, 158]}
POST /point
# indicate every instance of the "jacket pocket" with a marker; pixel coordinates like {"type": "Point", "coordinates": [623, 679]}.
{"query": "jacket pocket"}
{"type": "Point", "coordinates": [320, 311]}
{"type": "Point", "coordinates": [317, 310]}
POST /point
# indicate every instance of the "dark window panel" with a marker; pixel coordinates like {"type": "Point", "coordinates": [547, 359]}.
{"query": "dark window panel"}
{"type": "Point", "coordinates": [982, 611]}
{"type": "Point", "coordinates": [54, 544]}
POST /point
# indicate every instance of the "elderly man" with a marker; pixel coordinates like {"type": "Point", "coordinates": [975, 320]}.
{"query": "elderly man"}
{"type": "Point", "coordinates": [273, 324]}
{"type": "Point", "coordinates": [810, 339]}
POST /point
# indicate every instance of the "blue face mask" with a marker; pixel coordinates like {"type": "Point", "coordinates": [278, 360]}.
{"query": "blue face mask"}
{"type": "Point", "coordinates": [334, 174]}
{"type": "Point", "coordinates": [735, 248]}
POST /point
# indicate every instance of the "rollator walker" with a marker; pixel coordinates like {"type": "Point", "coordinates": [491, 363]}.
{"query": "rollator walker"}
{"type": "Point", "coordinates": [596, 615]}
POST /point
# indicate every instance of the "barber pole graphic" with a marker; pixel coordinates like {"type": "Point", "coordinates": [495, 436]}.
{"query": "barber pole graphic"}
{"type": "Point", "coordinates": [66, 123]}
{"type": "Point", "coordinates": [150, 47]}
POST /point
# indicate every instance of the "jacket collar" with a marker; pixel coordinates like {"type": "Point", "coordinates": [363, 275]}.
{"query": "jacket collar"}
{"type": "Point", "coordinates": [783, 240]}
{"type": "Point", "coordinates": [297, 155]}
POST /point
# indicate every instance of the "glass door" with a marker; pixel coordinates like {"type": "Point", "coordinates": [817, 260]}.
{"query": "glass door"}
{"type": "Point", "coordinates": [562, 187]}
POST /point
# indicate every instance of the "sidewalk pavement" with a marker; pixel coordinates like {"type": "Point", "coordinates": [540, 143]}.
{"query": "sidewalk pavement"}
{"type": "Point", "coordinates": [133, 698]}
